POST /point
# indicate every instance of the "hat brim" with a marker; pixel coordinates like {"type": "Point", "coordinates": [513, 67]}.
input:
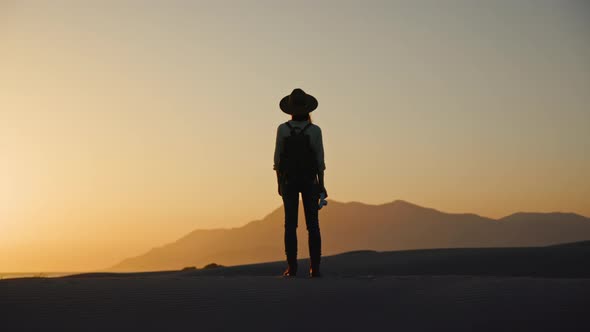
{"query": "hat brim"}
{"type": "Point", "coordinates": [310, 105]}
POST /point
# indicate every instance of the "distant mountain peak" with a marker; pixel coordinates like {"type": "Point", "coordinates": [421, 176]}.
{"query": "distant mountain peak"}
{"type": "Point", "coordinates": [401, 202]}
{"type": "Point", "coordinates": [401, 205]}
{"type": "Point", "coordinates": [542, 216]}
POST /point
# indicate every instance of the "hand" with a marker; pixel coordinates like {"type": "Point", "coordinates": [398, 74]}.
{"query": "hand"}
{"type": "Point", "coordinates": [321, 183]}
{"type": "Point", "coordinates": [323, 190]}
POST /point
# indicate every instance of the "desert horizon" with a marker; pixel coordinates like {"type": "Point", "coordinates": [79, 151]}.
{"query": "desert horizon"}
{"type": "Point", "coordinates": [168, 238]}
{"type": "Point", "coordinates": [276, 213]}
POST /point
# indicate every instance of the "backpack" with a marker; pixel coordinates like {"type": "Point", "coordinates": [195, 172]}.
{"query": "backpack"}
{"type": "Point", "coordinates": [298, 158]}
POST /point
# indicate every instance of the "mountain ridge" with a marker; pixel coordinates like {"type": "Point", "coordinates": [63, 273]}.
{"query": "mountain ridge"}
{"type": "Point", "coordinates": [348, 226]}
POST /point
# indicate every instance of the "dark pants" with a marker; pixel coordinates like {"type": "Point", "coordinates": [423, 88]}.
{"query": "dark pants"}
{"type": "Point", "coordinates": [310, 196]}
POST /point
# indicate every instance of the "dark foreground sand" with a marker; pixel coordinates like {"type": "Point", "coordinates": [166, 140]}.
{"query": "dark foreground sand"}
{"type": "Point", "coordinates": [274, 304]}
{"type": "Point", "coordinates": [246, 299]}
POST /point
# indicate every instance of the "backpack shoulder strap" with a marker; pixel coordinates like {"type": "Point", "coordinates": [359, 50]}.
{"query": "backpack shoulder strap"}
{"type": "Point", "coordinates": [291, 129]}
{"type": "Point", "coordinates": [304, 128]}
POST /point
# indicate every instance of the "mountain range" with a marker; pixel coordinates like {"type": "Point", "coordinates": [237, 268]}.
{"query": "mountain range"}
{"type": "Point", "coordinates": [398, 225]}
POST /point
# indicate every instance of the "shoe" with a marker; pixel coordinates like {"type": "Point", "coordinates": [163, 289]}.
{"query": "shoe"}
{"type": "Point", "coordinates": [314, 271]}
{"type": "Point", "coordinates": [290, 273]}
{"type": "Point", "coordinates": [291, 270]}
{"type": "Point", "coordinates": [315, 254]}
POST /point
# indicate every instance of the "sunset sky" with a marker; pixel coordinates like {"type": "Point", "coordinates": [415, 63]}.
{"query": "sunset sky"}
{"type": "Point", "coordinates": [126, 124]}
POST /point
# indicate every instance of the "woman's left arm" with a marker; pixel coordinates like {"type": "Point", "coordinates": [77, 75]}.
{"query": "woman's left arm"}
{"type": "Point", "coordinates": [277, 158]}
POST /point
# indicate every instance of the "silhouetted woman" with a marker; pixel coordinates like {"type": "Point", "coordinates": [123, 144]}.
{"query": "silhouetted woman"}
{"type": "Point", "coordinates": [299, 164]}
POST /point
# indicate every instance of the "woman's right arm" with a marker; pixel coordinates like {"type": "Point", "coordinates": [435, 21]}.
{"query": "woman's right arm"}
{"type": "Point", "coordinates": [277, 158]}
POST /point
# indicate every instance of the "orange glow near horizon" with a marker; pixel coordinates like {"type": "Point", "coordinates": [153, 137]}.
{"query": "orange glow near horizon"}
{"type": "Point", "coordinates": [124, 128]}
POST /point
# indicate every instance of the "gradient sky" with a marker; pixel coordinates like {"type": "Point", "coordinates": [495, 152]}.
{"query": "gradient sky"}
{"type": "Point", "coordinates": [125, 124]}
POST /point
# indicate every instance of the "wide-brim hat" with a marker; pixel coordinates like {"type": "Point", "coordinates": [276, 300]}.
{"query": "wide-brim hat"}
{"type": "Point", "coordinates": [298, 103]}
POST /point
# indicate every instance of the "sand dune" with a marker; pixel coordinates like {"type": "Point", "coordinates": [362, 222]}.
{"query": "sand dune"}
{"type": "Point", "coordinates": [489, 289]}
{"type": "Point", "coordinates": [568, 260]}
{"type": "Point", "coordinates": [553, 262]}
